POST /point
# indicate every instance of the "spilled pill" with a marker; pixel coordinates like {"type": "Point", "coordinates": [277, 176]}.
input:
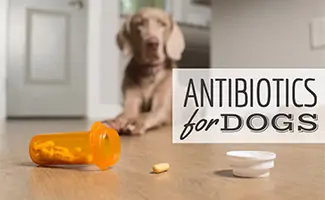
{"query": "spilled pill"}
{"type": "Point", "coordinates": [57, 154]}
{"type": "Point", "coordinates": [62, 149]}
{"type": "Point", "coordinates": [161, 167]}
{"type": "Point", "coordinates": [44, 145]}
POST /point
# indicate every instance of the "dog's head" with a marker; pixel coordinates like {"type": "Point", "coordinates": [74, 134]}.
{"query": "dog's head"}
{"type": "Point", "coordinates": [150, 36]}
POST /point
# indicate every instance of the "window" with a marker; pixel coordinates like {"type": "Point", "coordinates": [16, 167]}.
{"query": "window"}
{"type": "Point", "coordinates": [131, 6]}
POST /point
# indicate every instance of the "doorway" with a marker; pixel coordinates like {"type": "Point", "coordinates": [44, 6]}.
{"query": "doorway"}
{"type": "Point", "coordinates": [47, 51]}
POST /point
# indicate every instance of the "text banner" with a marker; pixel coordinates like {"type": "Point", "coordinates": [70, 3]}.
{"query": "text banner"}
{"type": "Point", "coordinates": [239, 105]}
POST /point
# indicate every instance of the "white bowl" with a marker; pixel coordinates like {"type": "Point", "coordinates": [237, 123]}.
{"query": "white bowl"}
{"type": "Point", "coordinates": [251, 164]}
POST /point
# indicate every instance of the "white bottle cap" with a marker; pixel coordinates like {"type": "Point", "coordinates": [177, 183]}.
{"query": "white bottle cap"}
{"type": "Point", "coordinates": [251, 164]}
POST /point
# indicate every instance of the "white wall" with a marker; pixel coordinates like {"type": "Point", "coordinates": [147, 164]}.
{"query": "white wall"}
{"type": "Point", "coordinates": [265, 33]}
{"type": "Point", "coordinates": [3, 56]}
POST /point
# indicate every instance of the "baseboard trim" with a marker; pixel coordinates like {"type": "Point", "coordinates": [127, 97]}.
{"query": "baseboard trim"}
{"type": "Point", "coordinates": [46, 118]}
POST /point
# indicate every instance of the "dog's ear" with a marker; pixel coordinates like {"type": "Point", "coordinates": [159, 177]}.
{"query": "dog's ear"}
{"type": "Point", "coordinates": [175, 44]}
{"type": "Point", "coordinates": [123, 38]}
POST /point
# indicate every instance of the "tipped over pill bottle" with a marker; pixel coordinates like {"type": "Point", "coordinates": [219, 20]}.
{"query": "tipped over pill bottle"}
{"type": "Point", "coordinates": [99, 146]}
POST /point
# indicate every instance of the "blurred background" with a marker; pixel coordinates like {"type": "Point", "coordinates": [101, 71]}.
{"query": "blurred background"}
{"type": "Point", "coordinates": [59, 59]}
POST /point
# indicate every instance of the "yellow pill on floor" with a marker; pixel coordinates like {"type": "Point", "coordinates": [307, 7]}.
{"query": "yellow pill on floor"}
{"type": "Point", "coordinates": [161, 167]}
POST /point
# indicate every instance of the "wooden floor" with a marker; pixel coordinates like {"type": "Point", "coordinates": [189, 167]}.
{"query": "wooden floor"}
{"type": "Point", "coordinates": [198, 172]}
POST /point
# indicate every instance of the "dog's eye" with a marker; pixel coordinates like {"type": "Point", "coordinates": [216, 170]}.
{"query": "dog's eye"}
{"type": "Point", "coordinates": [140, 22]}
{"type": "Point", "coordinates": [162, 23]}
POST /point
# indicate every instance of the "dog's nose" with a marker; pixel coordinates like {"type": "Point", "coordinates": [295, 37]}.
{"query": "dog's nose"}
{"type": "Point", "coordinates": [152, 43]}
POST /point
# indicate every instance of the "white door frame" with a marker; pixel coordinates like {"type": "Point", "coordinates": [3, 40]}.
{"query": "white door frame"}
{"type": "Point", "coordinates": [103, 68]}
{"type": "Point", "coordinates": [3, 56]}
{"type": "Point", "coordinates": [102, 58]}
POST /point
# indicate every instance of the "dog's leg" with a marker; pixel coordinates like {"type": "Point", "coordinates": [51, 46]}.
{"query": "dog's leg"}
{"type": "Point", "coordinates": [131, 110]}
{"type": "Point", "coordinates": [160, 113]}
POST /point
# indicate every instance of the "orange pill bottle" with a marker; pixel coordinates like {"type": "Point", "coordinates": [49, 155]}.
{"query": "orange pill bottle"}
{"type": "Point", "coordinates": [99, 146]}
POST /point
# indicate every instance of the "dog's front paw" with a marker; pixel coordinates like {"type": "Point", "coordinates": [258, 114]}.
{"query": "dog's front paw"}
{"type": "Point", "coordinates": [112, 123]}
{"type": "Point", "coordinates": [119, 123]}
{"type": "Point", "coordinates": [136, 126]}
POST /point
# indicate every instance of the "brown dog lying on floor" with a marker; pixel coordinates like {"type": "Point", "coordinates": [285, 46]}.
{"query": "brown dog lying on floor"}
{"type": "Point", "coordinates": [154, 42]}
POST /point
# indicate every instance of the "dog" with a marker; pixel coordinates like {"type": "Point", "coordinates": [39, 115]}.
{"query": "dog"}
{"type": "Point", "coordinates": [154, 43]}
